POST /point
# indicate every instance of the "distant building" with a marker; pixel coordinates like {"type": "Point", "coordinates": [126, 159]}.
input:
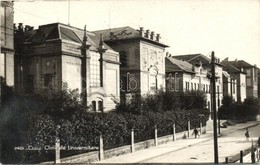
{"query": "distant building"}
{"type": "Point", "coordinates": [230, 87]}
{"type": "Point", "coordinates": [183, 76]}
{"type": "Point", "coordinates": [205, 62]}
{"type": "Point", "coordinates": [50, 55]}
{"type": "Point", "coordinates": [251, 76]}
{"type": "Point", "coordinates": [7, 42]}
{"type": "Point", "coordinates": [142, 68]}
{"type": "Point", "coordinates": [238, 76]}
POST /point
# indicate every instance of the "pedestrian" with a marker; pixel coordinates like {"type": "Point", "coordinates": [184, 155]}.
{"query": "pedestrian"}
{"type": "Point", "coordinates": [195, 131]}
{"type": "Point", "coordinates": [247, 134]}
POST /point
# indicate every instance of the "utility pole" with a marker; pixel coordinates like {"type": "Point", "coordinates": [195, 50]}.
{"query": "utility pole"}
{"type": "Point", "coordinates": [213, 81]}
{"type": "Point", "coordinates": [84, 49]}
{"type": "Point", "coordinates": [218, 112]}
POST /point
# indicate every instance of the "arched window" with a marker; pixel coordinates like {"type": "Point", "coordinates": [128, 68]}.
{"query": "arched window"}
{"type": "Point", "coordinates": [100, 106]}
{"type": "Point", "coordinates": [94, 108]}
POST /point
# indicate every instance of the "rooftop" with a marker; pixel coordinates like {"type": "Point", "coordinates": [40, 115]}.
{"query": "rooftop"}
{"type": "Point", "coordinates": [237, 63]}
{"type": "Point", "coordinates": [127, 33]}
{"type": "Point", "coordinates": [64, 32]}
{"type": "Point", "coordinates": [173, 64]}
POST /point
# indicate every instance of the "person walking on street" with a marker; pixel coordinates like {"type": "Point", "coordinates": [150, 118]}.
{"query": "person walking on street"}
{"type": "Point", "coordinates": [247, 134]}
{"type": "Point", "coordinates": [195, 131]}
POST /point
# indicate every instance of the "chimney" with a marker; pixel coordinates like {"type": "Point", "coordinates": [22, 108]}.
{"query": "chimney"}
{"type": "Point", "coordinates": [31, 28]}
{"type": "Point", "coordinates": [147, 35]}
{"type": "Point", "coordinates": [141, 31]}
{"type": "Point", "coordinates": [15, 28]}
{"type": "Point", "coordinates": [152, 35]}
{"type": "Point", "coordinates": [26, 28]}
{"type": "Point", "coordinates": [20, 27]}
{"type": "Point", "coordinates": [158, 37]}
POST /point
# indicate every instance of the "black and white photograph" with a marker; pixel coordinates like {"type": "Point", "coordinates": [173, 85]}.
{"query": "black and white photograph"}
{"type": "Point", "coordinates": [130, 82]}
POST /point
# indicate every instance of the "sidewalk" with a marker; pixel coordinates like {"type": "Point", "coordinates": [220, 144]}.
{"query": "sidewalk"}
{"type": "Point", "coordinates": [153, 152]}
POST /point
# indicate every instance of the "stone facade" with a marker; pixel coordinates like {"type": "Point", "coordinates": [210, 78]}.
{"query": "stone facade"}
{"type": "Point", "coordinates": [142, 68]}
{"type": "Point", "coordinates": [7, 42]}
{"type": "Point", "coordinates": [51, 55]}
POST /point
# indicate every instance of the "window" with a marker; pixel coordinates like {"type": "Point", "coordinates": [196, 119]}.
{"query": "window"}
{"type": "Point", "coordinates": [195, 87]}
{"type": "Point", "coordinates": [95, 70]}
{"type": "Point", "coordinates": [3, 24]}
{"type": "Point", "coordinates": [123, 58]}
{"type": "Point", "coordinates": [100, 106]}
{"type": "Point", "coordinates": [248, 72]}
{"type": "Point", "coordinates": [97, 105]}
{"type": "Point", "coordinates": [2, 65]}
{"type": "Point", "coordinates": [191, 86]}
{"type": "Point", "coordinates": [187, 86]}
{"type": "Point", "coordinates": [234, 88]}
{"type": "Point", "coordinates": [152, 81]}
{"type": "Point", "coordinates": [94, 108]}
{"type": "Point", "coordinates": [47, 80]}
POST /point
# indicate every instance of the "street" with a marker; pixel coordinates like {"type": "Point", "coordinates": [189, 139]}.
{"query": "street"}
{"type": "Point", "coordinates": [192, 150]}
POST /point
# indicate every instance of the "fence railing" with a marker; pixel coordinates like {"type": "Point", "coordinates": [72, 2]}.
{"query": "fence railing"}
{"type": "Point", "coordinates": [252, 157]}
{"type": "Point", "coordinates": [132, 147]}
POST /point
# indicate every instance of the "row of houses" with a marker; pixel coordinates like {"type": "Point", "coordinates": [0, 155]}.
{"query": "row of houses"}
{"type": "Point", "coordinates": [110, 64]}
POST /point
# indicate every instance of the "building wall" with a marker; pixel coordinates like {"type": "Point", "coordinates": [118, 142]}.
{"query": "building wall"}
{"type": "Point", "coordinates": [53, 62]}
{"type": "Point", "coordinates": [35, 72]}
{"type": "Point", "coordinates": [7, 42]}
{"type": "Point", "coordinates": [242, 85]}
{"type": "Point", "coordinates": [152, 67]}
{"type": "Point", "coordinates": [251, 82]}
{"type": "Point", "coordinates": [71, 71]}
{"type": "Point", "coordinates": [111, 85]}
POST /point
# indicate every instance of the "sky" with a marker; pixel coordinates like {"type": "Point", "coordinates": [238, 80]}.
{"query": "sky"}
{"type": "Point", "coordinates": [230, 28]}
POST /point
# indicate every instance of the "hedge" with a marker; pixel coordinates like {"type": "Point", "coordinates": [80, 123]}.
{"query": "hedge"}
{"type": "Point", "coordinates": [39, 125]}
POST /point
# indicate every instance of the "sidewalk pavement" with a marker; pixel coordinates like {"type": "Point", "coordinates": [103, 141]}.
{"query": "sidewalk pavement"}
{"type": "Point", "coordinates": [142, 155]}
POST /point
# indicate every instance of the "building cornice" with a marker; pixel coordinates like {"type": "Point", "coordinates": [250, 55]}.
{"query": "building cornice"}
{"type": "Point", "coordinates": [6, 50]}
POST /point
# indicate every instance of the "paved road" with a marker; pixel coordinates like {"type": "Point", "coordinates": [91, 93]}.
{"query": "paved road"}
{"type": "Point", "coordinates": [192, 150]}
{"type": "Point", "coordinates": [230, 144]}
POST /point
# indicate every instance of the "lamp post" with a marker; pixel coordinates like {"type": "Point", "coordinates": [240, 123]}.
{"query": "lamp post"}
{"type": "Point", "coordinates": [84, 49]}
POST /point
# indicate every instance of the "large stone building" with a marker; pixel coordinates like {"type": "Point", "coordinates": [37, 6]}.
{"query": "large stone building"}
{"type": "Point", "coordinates": [251, 76]}
{"type": "Point", "coordinates": [7, 43]}
{"type": "Point", "coordinates": [53, 54]}
{"type": "Point", "coordinates": [142, 55]}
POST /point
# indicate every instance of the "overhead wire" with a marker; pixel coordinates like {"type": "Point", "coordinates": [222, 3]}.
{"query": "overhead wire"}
{"type": "Point", "coordinates": [28, 13]}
